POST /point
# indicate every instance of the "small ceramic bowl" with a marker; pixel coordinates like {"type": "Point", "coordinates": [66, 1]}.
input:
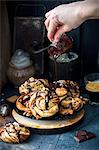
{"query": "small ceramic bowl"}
{"type": "Point", "coordinates": [92, 86]}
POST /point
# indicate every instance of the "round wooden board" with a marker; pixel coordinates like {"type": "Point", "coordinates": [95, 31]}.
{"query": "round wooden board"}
{"type": "Point", "coordinates": [49, 124]}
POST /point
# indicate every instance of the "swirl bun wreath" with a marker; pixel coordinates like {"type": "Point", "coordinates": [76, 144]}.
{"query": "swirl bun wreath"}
{"type": "Point", "coordinates": [14, 133]}
{"type": "Point", "coordinates": [42, 99]}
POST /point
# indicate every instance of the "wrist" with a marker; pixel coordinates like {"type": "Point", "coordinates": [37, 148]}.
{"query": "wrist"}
{"type": "Point", "coordinates": [90, 9]}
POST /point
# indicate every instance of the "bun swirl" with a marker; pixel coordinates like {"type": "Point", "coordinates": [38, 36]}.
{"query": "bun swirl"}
{"type": "Point", "coordinates": [42, 99]}
{"type": "Point", "coordinates": [14, 133]}
{"type": "Point", "coordinates": [43, 105]}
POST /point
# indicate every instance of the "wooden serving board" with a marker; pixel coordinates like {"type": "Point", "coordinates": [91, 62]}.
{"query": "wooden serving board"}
{"type": "Point", "coordinates": [49, 124]}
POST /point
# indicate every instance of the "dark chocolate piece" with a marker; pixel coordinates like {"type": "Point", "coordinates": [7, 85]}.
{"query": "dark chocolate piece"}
{"type": "Point", "coordinates": [84, 135]}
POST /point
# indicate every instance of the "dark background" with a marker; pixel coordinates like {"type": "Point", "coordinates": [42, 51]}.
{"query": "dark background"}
{"type": "Point", "coordinates": [86, 37]}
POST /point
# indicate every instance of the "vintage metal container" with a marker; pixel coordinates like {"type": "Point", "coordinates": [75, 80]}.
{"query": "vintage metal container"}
{"type": "Point", "coordinates": [62, 69]}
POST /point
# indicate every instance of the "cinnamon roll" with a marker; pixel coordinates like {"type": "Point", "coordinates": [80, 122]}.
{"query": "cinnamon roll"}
{"type": "Point", "coordinates": [33, 84]}
{"type": "Point", "coordinates": [22, 104]}
{"type": "Point", "coordinates": [14, 133]}
{"type": "Point", "coordinates": [44, 104]}
{"type": "Point", "coordinates": [69, 105]}
{"type": "Point", "coordinates": [66, 88]}
{"type": "Point", "coordinates": [77, 103]}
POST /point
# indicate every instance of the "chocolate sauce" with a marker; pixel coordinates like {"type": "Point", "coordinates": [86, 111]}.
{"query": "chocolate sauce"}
{"type": "Point", "coordinates": [55, 66]}
{"type": "Point", "coordinates": [64, 45]}
{"type": "Point", "coordinates": [46, 102]}
{"type": "Point", "coordinates": [47, 99]}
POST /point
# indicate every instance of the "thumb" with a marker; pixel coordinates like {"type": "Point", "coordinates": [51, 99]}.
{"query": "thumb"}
{"type": "Point", "coordinates": [62, 29]}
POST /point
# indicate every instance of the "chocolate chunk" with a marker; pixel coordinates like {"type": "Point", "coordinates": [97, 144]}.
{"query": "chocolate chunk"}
{"type": "Point", "coordinates": [91, 135]}
{"type": "Point", "coordinates": [83, 135]}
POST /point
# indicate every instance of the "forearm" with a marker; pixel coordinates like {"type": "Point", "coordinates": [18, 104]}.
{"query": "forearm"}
{"type": "Point", "coordinates": [90, 9]}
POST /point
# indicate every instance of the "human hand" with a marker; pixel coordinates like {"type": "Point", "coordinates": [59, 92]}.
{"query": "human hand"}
{"type": "Point", "coordinates": [62, 19]}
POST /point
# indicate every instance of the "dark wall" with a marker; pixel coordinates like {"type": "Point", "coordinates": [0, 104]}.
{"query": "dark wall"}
{"type": "Point", "coordinates": [86, 37]}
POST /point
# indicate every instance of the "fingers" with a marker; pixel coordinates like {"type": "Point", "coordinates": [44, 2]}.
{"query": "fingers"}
{"type": "Point", "coordinates": [47, 21]}
{"type": "Point", "coordinates": [55, 30]}
{"type": "Point", "coordinates": [60, 31]}
{"type": "Point", "coordinates": [49, 13]}
{"type": "Point", "coordinates": [49, 16]}
{"type": "Point", "coordinates": [52, 28]}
